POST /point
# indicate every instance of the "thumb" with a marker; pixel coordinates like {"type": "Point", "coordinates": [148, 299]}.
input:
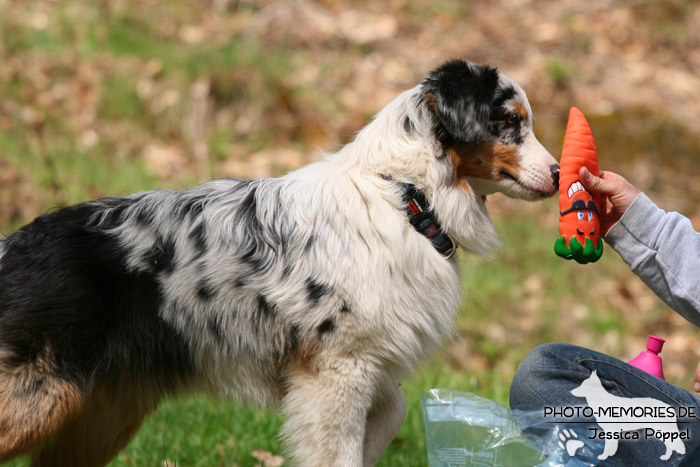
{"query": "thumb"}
{"type": "Point", "coordinates": [696, 380]}
{"type": "Point", "coordinates": [596, 184]}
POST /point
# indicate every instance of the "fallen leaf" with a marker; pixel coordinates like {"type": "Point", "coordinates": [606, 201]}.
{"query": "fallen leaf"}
{"type": "Point", "coordinates": [268, 459]}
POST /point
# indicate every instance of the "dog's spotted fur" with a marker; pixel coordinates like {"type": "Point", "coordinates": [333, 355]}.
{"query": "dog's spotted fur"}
{"type": "Point", "coordinates": [310, 292]}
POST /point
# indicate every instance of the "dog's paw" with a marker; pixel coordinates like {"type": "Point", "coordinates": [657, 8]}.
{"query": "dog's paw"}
{"type": "Point", "coordinates": [568, 441]}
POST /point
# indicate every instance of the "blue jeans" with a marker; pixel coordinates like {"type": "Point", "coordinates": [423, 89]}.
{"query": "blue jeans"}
{"type": "Point", "coordinates": [550, 372]}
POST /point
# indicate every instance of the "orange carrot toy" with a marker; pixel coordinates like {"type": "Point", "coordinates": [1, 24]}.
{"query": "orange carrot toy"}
{"type": "Point", "coordinates": [579, 224]}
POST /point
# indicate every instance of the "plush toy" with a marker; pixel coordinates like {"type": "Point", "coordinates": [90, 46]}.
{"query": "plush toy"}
{"type": "Point", "coordinates": [579, 222]}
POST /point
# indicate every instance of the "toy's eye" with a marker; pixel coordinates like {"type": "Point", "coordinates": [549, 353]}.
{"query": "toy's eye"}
{"type": "Point", "coordinates": [580, 215]}
{"type": "Point", "coordinates": [512, 119]}
{"type": "Point", "coordinates": [590, 216]}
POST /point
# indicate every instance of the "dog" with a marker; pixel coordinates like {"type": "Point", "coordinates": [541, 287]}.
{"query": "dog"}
{"type": "Point", "coordinates": [614, 427]}
{"type": "Point", "coordinates": [315, 292]}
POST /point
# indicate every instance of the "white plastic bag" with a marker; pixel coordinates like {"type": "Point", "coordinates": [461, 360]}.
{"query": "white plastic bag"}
{"type": "Point", "coordinates": [463, 429]}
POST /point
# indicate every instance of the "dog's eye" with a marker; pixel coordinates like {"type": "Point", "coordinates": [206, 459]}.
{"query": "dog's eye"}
{"type": "Point", "coordinates": [512, 119]}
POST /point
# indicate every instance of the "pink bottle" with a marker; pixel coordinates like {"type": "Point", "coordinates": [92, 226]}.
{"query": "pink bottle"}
{"type": "Point", "coordinates": [649, 360]}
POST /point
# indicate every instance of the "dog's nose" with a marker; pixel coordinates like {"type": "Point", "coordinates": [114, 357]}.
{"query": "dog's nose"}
{"type": "Point", "coordinates": [554, 168]}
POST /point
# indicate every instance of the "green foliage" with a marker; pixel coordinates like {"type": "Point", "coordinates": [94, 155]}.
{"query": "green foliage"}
{"type": "Point", "coordinates": [118, 99]}
{"type": "Point", "coordinates": [203, 432]}
{"type": "Point", "coordinates": [560, 72]}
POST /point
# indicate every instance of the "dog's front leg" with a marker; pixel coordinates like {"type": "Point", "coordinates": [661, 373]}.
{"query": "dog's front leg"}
{"type": "Point", "coordinates": [383, 421]}
{"type": "Point", "coordinates": [326, 405]}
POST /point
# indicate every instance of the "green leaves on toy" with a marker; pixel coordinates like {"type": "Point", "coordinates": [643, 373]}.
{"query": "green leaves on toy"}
{"type": "Point", "coordinates": [580, 253]}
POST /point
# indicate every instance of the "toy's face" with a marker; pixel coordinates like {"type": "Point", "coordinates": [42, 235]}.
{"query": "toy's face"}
{"type": "Point", "coordinates": [579, 227]}
{"type": "Point", "coordinates": [581, 218]}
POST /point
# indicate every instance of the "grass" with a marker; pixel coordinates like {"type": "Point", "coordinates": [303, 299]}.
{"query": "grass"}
{"type": "Point", "coordinates": [205, 432]}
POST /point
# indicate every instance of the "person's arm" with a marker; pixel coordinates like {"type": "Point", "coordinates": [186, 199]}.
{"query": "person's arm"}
{"type": "Point", "coordinates": [662, 248]}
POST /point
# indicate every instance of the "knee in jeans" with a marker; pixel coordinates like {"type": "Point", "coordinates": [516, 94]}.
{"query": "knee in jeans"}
{"type": "Point", "coordinates": [541, 359]}
{"type": "Point", "coordinates": [533, 373]}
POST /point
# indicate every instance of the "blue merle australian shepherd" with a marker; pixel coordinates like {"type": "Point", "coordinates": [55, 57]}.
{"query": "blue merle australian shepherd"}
{"type": "Point", "coordinates": [315, 292]}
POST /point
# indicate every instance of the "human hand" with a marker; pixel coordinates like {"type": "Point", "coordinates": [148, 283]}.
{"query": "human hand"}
{"type": "Point", "coordinates": [696, 380]}
{"type": "Point", "coordinates": [616, 195]}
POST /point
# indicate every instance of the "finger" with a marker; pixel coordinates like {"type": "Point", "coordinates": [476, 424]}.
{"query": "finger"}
{"type": "Point", "coordinates": [696, 379]}
{"type": "Point", "coordinates": [596, 184]}
{"type": "Point", "coordinates": [607, 214]}
{"type": "Point", "coordinates": [608, 208]}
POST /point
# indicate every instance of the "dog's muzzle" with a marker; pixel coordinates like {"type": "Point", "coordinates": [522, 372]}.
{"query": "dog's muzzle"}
{"type": "Point", "coordinates": [554, 169]}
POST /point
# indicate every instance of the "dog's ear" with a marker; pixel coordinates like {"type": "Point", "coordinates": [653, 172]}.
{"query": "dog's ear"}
{"type": "Point", "coordinates": [460, 95]}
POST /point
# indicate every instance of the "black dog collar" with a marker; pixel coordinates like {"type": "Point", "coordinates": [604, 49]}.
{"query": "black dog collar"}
{"type": "Point", "coordinates": [423, 219]}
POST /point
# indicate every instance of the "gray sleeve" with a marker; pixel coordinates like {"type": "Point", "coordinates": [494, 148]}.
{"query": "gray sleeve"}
{"type": "Point", "coordinates": [663, 249]}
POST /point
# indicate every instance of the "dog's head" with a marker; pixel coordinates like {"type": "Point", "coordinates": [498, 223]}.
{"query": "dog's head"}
{"type": "Point", "coordinates": [484, 122]}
